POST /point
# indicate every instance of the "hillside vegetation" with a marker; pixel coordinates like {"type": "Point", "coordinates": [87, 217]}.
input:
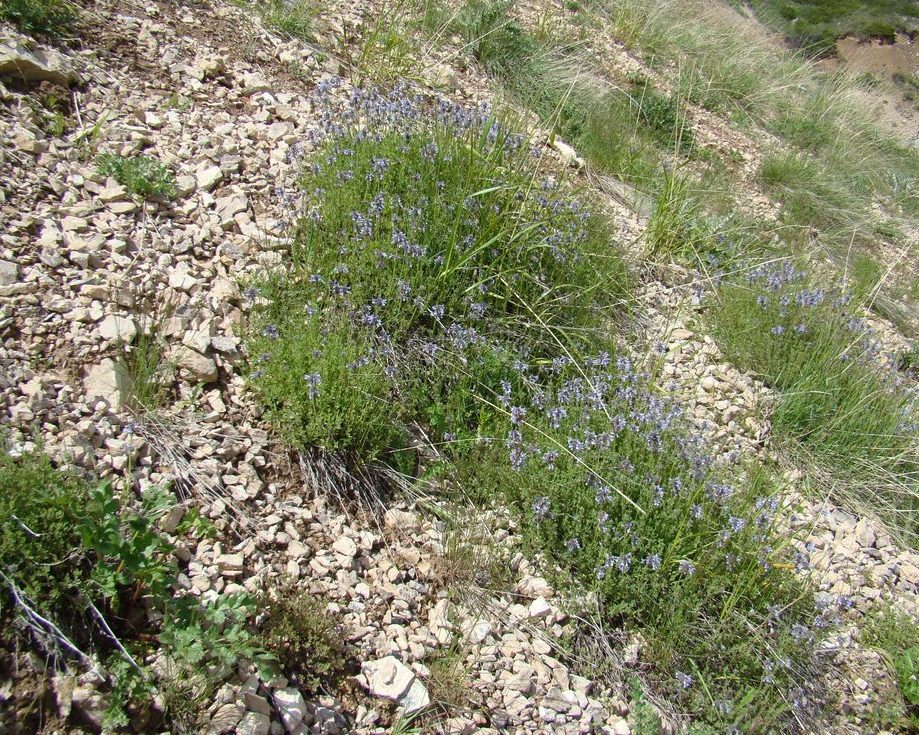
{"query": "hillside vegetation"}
{"type": "Point", "coordinates": [816, 26]}
{"type": "Point", "coordinates": [453, 366]}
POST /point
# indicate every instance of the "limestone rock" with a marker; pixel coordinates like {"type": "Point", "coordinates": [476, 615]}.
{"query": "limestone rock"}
{"type": "Point", "coordinates": [864, 534]}
{"type": "Point", "coordinates": [345, 546]}
{"type": "Point", "coordinates": [9, 273]}
{"type": "Point", "coordinates": [208, 177]}
{"type": "Point", "coordinates": [108, 381]}
{"type": "Point", "coordinates": [291, 706]}
{"type": "Point", "coordinates": [569, 155]}
{"type": "Point", "coordinates": [254, 723]}
{"type": "Point", "coordinates": [226, 718]}
{"type": "Point", "coordinates": [390, 679]}
{"type": "Point", "coordinates": [36, 65]}
{"type": "Point", "coordinates": [88, 706]}
{"type": "Point", "coordinates": [118, 328]}
{"type": "Point", "coordinates": [198, 366]}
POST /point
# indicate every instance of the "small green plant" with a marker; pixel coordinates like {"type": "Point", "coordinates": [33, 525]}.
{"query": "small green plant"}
{"type": "Point", "coordinates": [142, 176]}
{"type": "Point", "coordinates": [178, 101]}
{"type": "Point", "coordinates": [449, 681]}
{"type": "Point", "coordinates": [663, 116]}
{"type": "Point", "coordinates": [133, 540]}
{"type": "Point", "coordinates": [51, 113]}
{"type": "Point", "coordinates": [73, 557]}
{"type": "Point", "coordinates": [896, 636]}
{"type": "Point", "coordinates": [213, 634]}
{"type": "Point", "coordinates": [129, 687]}
{"type": "Point", "coordinates": [304, 637]}
{"type": "Point", "coordinates": [54, 18]}
{"type": "Point", "coordinates": [196, 525]}
{"type": "Point", "coordinates": [494, 39]}
{"type": "Point", "coordinates": [87, 141]}
{"type": "Point", "coordinates": [646, 720]}
{"type": "Point", "coordinates": [383, 52]}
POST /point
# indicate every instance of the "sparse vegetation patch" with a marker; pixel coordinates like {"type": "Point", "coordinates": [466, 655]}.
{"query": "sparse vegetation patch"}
{"type": "Point", "coordinates": [142, 176]}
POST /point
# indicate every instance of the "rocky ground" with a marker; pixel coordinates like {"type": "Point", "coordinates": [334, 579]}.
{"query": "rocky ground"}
{"type": "Point", "coordinates": [85, 269]}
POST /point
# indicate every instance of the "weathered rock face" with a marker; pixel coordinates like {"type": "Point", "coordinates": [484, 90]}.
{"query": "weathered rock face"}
{"type": "Point", "coordinates": [20, 63]}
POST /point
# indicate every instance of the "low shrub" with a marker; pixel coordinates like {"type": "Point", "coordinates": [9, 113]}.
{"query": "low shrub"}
{"type": "Point", "coordinates": [815, 25]}
{"type": "Point", "coordinates": [142, 176]}
{"type": "Point", "coordinates": [663, 116]}
{"type": "Point", "coordinates": [439, 244]}
{"type": "Point", "coordinates": [610, 489]}
{"type": "Point", "coordinates": [305, 637]}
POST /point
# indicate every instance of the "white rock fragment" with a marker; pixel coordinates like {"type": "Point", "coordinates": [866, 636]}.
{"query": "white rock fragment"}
{"type": "Point", "coordinates": [345, 546]}
{"type": "Point", "coordinates": [864, 534]}
{"type": "Point", "coordinates": [35, 65]}
{"type": "Point", "coordinates": [120, 328]}
{"type": "Point", "coordinates": [539, 608]}
{"type": "Point", "coordinates": [569, 155]}
{"type": "Point", "coordinates": [199, 367]}
{"type": "Point", "coordinates": [254, 723]}
{"type": "Point", "coordinates": [9, 273]}
{"type": "Point", "coordinates": [108, 381]}
{"type": "Point", "coordinates": [390, 679]}
{"type": "Point", "coordinates": [208, 177]}
{"type": "Point", "coordinates": [291, 706]}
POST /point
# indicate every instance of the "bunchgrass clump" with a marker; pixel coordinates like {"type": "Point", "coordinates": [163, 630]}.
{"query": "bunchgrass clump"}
{"type": "Point", "coordinates": [815, 200]}
{"type": "Point", "coordinates": [676, 225]}
{"type": "Point", "coordinates": [452, 301]}
{"type": "Point", "coordinates": [148, 371]}
{"type": "Point", "coordinates": [836, 400]}
{"type": "Point", "coordinates": [142, 176]}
